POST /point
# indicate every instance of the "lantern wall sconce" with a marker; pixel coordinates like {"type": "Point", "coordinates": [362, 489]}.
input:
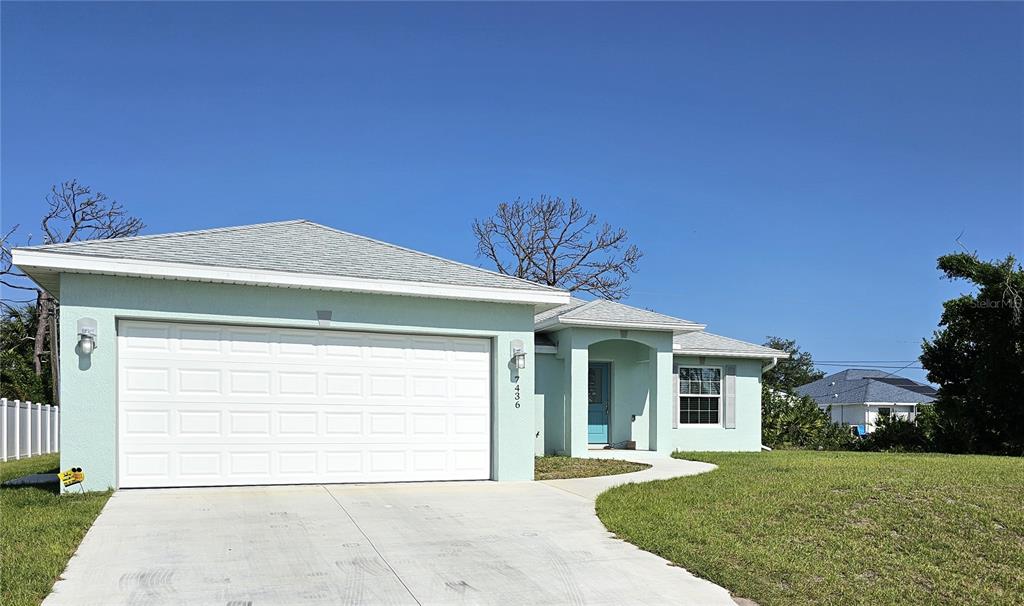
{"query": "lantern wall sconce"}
{"type": "Point", "coordinates": [518, 354]}
{"type": "Point", "coordinates": [86, 335]}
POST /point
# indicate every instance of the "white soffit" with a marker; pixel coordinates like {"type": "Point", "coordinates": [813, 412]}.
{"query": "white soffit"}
{"type": "Point", "coordinates": [45, 267]}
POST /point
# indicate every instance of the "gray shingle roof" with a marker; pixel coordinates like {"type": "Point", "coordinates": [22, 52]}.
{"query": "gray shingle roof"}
{"type": "Point", "coordinates": [603, 312]}
{"type": "Point", "coordinates": [706, 343]}
{"type": "Point", "coordinates": [551, 313]}
{"type": "Point", "coordinates": [857, 385]}
{"type": "Point", "coordinates": [296, 246]}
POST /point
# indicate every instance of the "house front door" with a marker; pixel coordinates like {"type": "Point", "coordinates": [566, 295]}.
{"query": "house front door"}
{"type": "Point", "coordinates": [599, 402]}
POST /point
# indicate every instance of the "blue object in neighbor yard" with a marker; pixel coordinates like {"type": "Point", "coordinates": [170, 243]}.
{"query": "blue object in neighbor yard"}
{"type": "Point", "coordinates": [862, 430]}
{"type": "Point", "coordinates": [598, 402]}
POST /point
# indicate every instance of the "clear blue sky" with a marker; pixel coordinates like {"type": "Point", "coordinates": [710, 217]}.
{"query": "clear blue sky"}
{"type": "Point", "coordinates": [788, 169]}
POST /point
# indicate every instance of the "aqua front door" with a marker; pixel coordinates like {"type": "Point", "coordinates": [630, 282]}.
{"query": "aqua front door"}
{"type": "Point", "coordinates": [599, 402]}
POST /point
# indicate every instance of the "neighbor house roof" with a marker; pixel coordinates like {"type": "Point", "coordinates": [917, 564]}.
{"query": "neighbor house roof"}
{"type": "Point", "coordinates": [858, 386]}
{"type": "Point", "coordinates": [602, 313]}
{"type": "Point", "coordinates": [299, 254]}
{"type": "Point", "coordinates": [707, 344]}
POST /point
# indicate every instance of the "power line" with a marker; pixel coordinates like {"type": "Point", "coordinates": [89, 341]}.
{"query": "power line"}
{"type": "Point", "coordinates": [863, 361]}
{"type": "Point", "coordinates": [860, 365]}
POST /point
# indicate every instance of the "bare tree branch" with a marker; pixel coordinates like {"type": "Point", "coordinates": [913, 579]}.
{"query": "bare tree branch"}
{"type": "Point", "coordinates": [73, 212]}
{"type": "Point", "coordinates": [76, 213]}
{"type": "Point", "coordinates": [559, 244]}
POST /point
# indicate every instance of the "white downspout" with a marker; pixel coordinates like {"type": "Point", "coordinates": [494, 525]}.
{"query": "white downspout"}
{"type": "Point", "coordinates": [775, 360]}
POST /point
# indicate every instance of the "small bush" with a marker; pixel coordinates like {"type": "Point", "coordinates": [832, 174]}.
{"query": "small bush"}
{"type": "Point", "coordinates": [895, 434]}
{"type": "Point", "coordinates": [791, 421]}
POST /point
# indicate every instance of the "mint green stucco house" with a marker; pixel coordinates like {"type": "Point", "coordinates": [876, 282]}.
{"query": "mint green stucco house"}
{"type": "Point", "coordinates": [290, 352]}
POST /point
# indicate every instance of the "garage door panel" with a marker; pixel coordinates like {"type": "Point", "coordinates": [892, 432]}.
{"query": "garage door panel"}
{"type": "Point", "coordinates": [199, 423]}
{"type": "Point", "coordinates": [146, 381]}
{"type": "Point", "coordinates": [209, 405]}
{"type": "Point", "coordinates": [252, 464]}
{"type": "Point", "coordinates": [216, 376]}
{"type": "Point", "coordinates": [286, 423]}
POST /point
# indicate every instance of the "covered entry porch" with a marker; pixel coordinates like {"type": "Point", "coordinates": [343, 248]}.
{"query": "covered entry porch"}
{"type": "Point", "coordinates": [599, 388]}
{"type": "Point", "coordinates": [604, 377]}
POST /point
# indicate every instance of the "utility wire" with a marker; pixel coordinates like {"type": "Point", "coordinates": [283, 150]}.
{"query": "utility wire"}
{"type": "Point", "coordinates": [859, 365]}
{"type": "Point", "coordinates": [864, 361]}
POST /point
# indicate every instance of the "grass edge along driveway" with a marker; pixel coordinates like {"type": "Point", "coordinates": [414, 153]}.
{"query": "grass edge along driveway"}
{"type": "Point", "coordinates": [39, 531]}
{"type": "Point", "coordinates": [795, 528]}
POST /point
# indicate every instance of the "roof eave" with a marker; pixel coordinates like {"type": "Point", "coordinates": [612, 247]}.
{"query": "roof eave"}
{"type": "Point", "coordinates": [42, 266]}
{"type": "Point", "coordinates": [729, 354]}
{"type": "Point", "coordinates": [45, 278]}
{"type": "Point", "coordinates": [676, 329]}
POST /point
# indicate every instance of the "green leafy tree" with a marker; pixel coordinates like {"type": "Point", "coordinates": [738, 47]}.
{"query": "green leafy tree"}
{"type": "Point", "coordinates": [792, 372]}
{"type": "Point", "coordinates": [977, 358]}
{"type": "Point", "coordinates": [17, 346]}
{"type": "Point", "coordinates": [789, 420]}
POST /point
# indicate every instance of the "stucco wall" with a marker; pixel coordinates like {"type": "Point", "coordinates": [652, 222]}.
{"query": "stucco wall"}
{"type": "Point", "coordinates": [550, 397]}
{"type": "Point", "coordinates": [903, 411]}
{"type": "Point", "coordinates": [848, 414]}
{"type": "Point", "coordinates": [89, 387]}
{"type": "Point", "coordinates": [747, 434]}
{"type": "Point", "coordinates": [859, 413]}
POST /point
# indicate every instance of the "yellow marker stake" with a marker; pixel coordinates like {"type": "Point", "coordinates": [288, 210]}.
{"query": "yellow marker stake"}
{"type": "Point", "coordinates": [72, 476]}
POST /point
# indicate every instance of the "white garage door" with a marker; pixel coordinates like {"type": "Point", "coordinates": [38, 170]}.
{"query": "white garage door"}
{"type": "Point", "coordinates": [204, 405]}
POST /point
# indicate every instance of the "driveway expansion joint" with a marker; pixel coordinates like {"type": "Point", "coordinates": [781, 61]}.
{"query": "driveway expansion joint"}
{"type": "Point", "coordinates": [370, 543]}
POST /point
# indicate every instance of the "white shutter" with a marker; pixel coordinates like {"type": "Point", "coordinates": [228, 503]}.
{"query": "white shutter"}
{"type": "Point", "coordinates": [675, 397]}
{"type": "Point", "coordinates": [729, 396]}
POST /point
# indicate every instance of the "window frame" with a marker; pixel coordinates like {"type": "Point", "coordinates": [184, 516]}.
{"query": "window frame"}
{"type": "Point", "coordinates": [720, 395]}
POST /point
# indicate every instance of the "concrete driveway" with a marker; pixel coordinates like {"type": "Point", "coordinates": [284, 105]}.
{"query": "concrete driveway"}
{"type": "Point", "coordinates": [431, 543]}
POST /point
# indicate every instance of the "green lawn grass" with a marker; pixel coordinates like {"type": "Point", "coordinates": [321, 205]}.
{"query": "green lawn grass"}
{"type": "Point", "coordinates": [560, 468]}
{"type": "Point", "coordinates": [39, 531]}
{"type": "Point", "coordinates": [799, 528]}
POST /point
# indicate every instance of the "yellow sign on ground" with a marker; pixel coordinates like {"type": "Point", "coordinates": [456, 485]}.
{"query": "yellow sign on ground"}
{"type": "Point", "coordinates": [72, 476]}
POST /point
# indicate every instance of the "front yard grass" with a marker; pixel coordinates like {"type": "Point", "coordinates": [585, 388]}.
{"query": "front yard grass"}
{"type": "Point", "coordinates": [560, 468]}
{"type": "Point", "coordinates": [39, 531]}
{"type": "Point", "coordinates": [793, 528]}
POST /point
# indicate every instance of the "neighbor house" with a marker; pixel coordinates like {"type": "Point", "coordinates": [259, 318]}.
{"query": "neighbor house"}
{"type": "Point", "coordinates": [292, 352]}
{"type": "Point", "coordinates": [859, 397]}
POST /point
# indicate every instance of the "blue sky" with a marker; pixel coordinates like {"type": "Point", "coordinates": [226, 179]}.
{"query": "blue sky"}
{"type": "Point", "coordinates": [788, 169]}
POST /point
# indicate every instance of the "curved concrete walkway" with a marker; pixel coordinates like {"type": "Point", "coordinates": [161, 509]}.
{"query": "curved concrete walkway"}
{"type": "Point", "coordinates": [662, 468]}
{"type": "Point", "coordinates": [429, 543]}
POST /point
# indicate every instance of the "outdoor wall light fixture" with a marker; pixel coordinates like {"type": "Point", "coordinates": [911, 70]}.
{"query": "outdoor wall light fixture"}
{"type": "Point", "coordinates": [86, 335]}
{"type": "Point", "coordinates": [518, 354]}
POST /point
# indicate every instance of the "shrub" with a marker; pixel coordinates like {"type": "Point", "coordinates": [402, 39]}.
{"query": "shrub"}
{"type": "Point", "coordinates": [895, 434]}
{"type": "Point", "coordinates": [791, 421]}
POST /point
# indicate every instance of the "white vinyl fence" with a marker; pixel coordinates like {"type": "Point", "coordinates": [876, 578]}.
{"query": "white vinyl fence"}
{"type": "Point", "coordinates": [28, 429]}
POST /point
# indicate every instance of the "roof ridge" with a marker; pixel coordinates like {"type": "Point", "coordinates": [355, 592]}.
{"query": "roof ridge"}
{"type": "Point", "coordinates": [432, 256]}
{"type": "Point", "coordinates": [585, 305]}
{"type": "Point", "coordinates": [167, 235]}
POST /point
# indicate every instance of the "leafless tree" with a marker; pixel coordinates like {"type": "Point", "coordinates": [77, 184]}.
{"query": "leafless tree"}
{"type": "Point", "coordinates": [74, 212]}
{"type": "Point", "coordinates": [558, 243]}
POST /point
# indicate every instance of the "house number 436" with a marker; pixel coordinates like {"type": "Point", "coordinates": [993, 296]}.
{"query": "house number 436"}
{"type": "Point", "coordinates": [516, 390]}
